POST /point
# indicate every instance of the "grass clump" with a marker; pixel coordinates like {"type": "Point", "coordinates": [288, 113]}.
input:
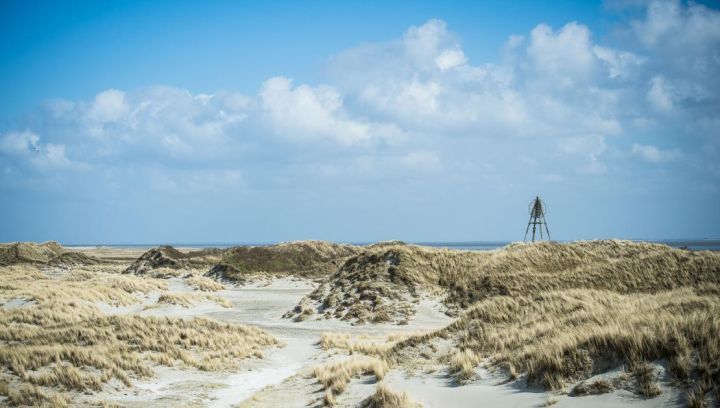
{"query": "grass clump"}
{"type": "Point", "coordinates": [384, 397]}
{"type": "Point", "coordinates": [30, 395]}
{"type": "Point", "coordinates": [365, 344]}
{"type": "Point", "coordinates": [204, 284]}
{"type": "Point", "coordinates": [462, 365]}
{"type": "Point", "coordinates": [335, 376]}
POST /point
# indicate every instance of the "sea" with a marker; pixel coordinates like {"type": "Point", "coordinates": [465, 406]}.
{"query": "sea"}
{"type": "Point", "coordinates": [692, 244]}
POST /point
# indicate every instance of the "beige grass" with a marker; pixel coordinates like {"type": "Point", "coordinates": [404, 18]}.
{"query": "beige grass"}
{"type": "Point", "coordinates": [335, 376]}
{"type": "Point", "coordinates": [62, 342]}
{"type": "Point", "coordinates": [384, 397]}
{"type": "Point", "coordinates": [27, 281]}
{"type": "Point", "coordinates": [363, 343]}
{"type": "Point", "coordinates": [204, 284]}
{"type": "Point", "coordinates": [561, 336]}
{"type": "Point", "coordinates": [381, 283]}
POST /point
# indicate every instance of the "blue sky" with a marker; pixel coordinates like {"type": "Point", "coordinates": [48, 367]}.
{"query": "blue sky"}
{"type": "Point", "coordinates": [179, 121]}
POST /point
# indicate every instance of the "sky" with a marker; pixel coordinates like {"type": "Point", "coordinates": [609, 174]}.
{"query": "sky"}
{"type": "Point", "coordinates": [245, 122]}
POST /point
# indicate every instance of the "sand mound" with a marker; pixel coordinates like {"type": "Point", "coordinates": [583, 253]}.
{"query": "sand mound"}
{"type": "Point", "coordinates": [384, 282]}
{"type": "Point", "coordinates": [306, 259]}
{"type": "Point", "coordinates": [46, 253]}
{"type": "Point", "coordinates": [171, 258]}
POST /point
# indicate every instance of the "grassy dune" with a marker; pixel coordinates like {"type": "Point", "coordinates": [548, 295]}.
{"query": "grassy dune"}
{"type": "Point", "coordinates": [307, 259]}
{"type": "Point", "coordinates": [166, 261]}
{"type": "Point", "coordinates": [559, 337]}
{"type": "Point", "coordinates": [555, 313]}
{"type": "Point", "coordinates": [55, 341]}
{"type": "Point", "coordinates": [46, 253]}
{"type": "Point", "coordinates": [383, 283]}
{"type": "Point", "coordinates": [561, 313]}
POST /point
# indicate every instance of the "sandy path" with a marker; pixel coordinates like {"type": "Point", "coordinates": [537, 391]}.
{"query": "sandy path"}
{"type": "Point", "coordinates": [260, 305]}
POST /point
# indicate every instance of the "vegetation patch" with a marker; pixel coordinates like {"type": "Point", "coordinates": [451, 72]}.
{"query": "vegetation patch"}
{"type": "Point", "coordinates": [558, 337]}
{"type": "Point", "coordinates": [304, 259]}
{"type": "Point", "coordinates": [60, 343]}
{"type": "Point", "coordinates": [384, 283]}
{"type": "Point", "coordinates": [50, 253]}
{"type": "Point", "coordinates": [168, 258]}
{"type": "Point", "coordinates": [204, 284]}
{"type": "Point", "coordinates": [335, 376]}
{"type": "Point", "coordinates": [384, 397]}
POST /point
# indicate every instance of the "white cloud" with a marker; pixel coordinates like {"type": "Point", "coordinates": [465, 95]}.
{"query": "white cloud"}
{"type": "Point", "coordinates": [164, 120]}
{"type": "Point", "coordinates": [311, 113]}
{"type": "Point", "coordinates": [427, 42]}
{"type": "Point", "coordinates": [654, 154]}
{"type": "Point", "coordinates": [450, 59]}
{"type": "Point", "coordinates": [401, 105]}
{"type": "Point", "coordinates": [19, 143]}
{"type": "Point", "coordinates": [619, 64]}
{"type": "Point", "coordinates": [26, 147]}
{"type": "Point", "coordinates": [565, 55]}
{"type": "Point", "coordinates": [108, 106]}
{"type": "Point", "coordinates": [671, 23]}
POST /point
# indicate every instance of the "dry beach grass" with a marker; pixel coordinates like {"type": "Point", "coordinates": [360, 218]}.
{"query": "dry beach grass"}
{"type": "Point", "coordinates": [384, 397]}
{"type": "Point", "coordinates": [580, 318]}
{"type": "Point", "coordinates": [384, 283]}
{"type": "Point", "coordinates": [56, 341]}
{"type": "Point", "coordinates": [335, 376]}
{"type": "Point", "coordinates": [554, 313]}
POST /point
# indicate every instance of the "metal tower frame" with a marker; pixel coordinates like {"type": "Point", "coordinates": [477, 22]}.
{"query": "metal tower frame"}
{"type": "Point", "coordinates": [537, 217]}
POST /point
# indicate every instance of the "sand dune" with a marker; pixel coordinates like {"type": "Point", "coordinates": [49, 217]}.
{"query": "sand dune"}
{"type": "Point", "coordinates": [586, 323]}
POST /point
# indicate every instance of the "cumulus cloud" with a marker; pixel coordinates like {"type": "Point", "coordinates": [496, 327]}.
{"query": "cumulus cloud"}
{"type": "Point", "coordinates": [403, 104]}
{"type": "Point", "coordinates": [305, 112]}
{"type": "Point", "coordinates": [26, 148]}
{"type": "Point", "coordinates": [563, 55]}
{"type": "Point", "coordinates": [161, 120]}
{"type": "Point", "coordinates": [108, 106]}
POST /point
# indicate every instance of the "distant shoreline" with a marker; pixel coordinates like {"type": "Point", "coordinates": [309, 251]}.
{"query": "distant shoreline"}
{"type": "Point", "coordinates": [693, 244]}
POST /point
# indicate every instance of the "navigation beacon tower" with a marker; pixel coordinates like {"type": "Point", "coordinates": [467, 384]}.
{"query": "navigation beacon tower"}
{"type": "Point", "coordinates": [537, 211]}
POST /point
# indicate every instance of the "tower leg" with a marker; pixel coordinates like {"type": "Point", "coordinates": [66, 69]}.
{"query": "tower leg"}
{"type": "Point", "coordinates": [546, 227]}
{"type": "Point", "coordinates": [534, 225]}
{"type": "Point", "coordinates": [527, 229]}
